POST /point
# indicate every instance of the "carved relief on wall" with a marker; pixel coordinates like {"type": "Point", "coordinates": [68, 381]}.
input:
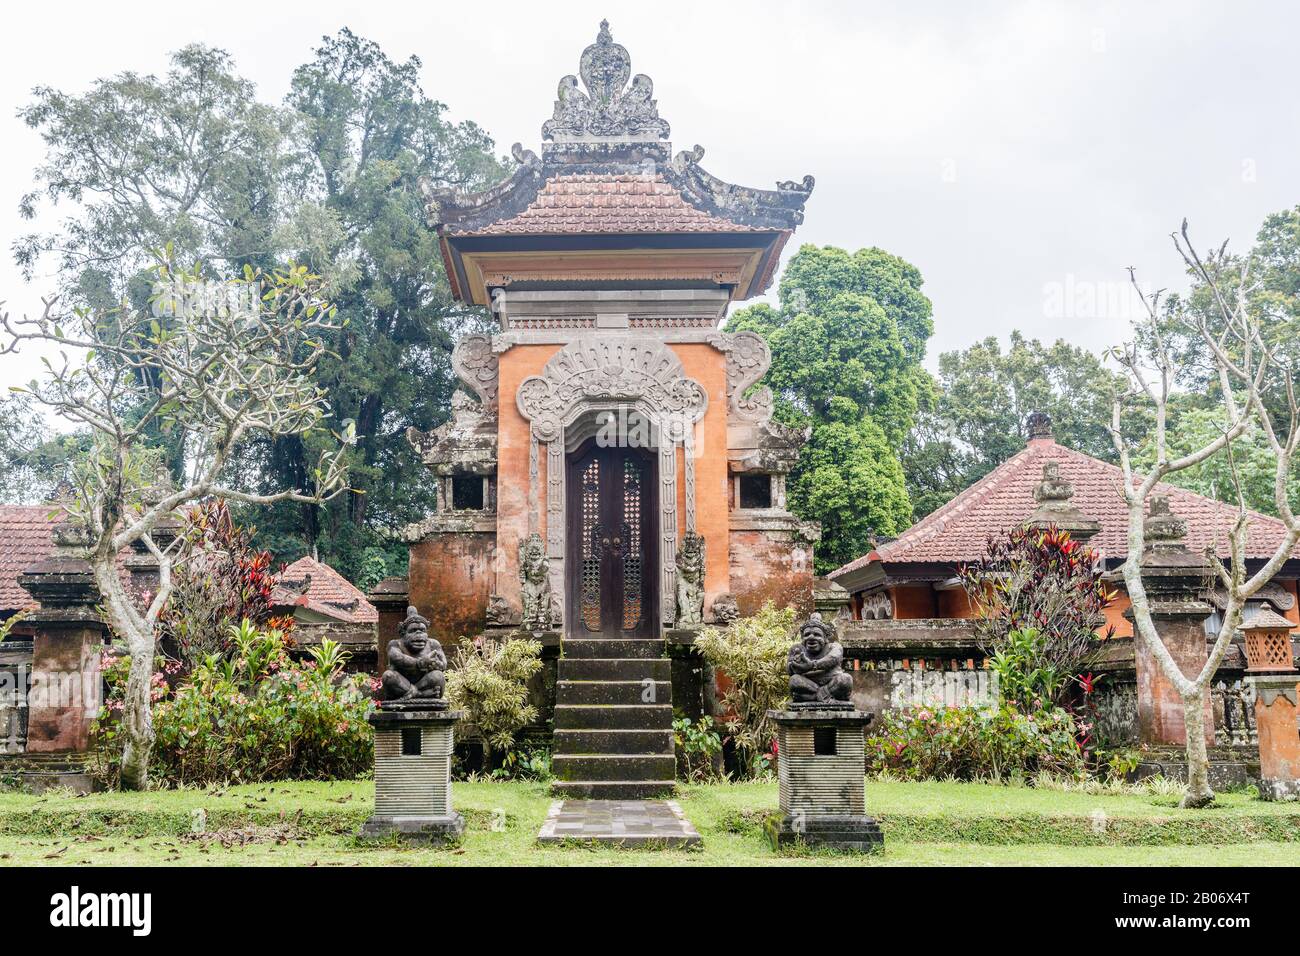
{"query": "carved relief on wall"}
{"type": "Point", "coordinates": [625, 369]}
{"type": "Point", "coordinates": [476, 366]}
{"type": "Point", "coordinates": [748, 359]}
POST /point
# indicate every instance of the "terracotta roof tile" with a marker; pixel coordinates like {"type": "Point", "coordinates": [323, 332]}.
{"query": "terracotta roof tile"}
{"type": "Point", "coordinates": [25, 539]}
{"type": "Point", "coordinates": [1002, 499]}
{"type": "Point", "coordinates": [328, 593]}
{"type": "Point", "coordinates": [592, 203]}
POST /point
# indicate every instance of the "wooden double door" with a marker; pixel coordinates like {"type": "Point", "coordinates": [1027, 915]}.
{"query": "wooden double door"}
{"type": "Point", "coordinates": [612, 564]}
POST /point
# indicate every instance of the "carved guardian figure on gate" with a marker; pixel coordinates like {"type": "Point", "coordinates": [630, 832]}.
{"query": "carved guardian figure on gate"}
{"type": "Point", "coordinates": [535, 583]}
{"type": "Point", "coordinates": [690, 581]}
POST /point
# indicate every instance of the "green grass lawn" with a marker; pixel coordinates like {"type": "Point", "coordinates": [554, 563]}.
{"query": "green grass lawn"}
{"type": "Point", "coordinates": [928, 824]}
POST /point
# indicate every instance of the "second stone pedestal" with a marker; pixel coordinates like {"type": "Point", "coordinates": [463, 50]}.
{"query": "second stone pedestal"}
{"type": "Point", "coordinates": [1277, 697]}
{"type": "Point", "coordinates": [821, 760]}
{"type": "Point", "coordinates": [413, 750]}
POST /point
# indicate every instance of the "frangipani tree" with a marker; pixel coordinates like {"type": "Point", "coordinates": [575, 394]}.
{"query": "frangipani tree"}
{"type": "Point", "coordinates": [1247, 367]}
{"type": "Point", "coordinates": [228, 360]}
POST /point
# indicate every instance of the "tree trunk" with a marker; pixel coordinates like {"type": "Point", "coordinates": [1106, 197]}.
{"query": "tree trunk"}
{"type": "Point", "coordinates": [137, 722]}
{"type": "Point", "coordinates": [1198, 793]}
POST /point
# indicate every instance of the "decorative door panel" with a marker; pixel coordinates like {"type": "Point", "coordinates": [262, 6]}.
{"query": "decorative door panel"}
{"type": "Point", "coordinates": [613, 574]}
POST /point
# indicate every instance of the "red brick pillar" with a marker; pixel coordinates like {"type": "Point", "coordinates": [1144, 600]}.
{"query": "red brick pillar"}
{"type": "Point", "coordinates": [65, 693]}
{"type": "Point", "coordinates": [390, 599]}
{"type": "Point", "coordinates": [1176, 583]}
{"type": "Point", "coordinates": [1270, 666]}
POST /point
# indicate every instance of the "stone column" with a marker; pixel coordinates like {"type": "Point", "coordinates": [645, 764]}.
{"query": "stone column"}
{"type": "Point", "coordinates": [66, 685]}
{"type": "Point", "coordinates": [390, 597]}
{"type": "Point", "coordinates": [1270, 668]}
{"type": "Point", "coordinates": [413, 752]}
{"type": "Point", "coordinates": [1176, 583]}
{"type": "Point", "coordinates": [1053, 495]}
{"type": "Point", "coordinates": [821, 766]}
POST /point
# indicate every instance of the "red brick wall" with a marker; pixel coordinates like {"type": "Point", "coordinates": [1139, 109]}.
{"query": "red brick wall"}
{"type": "Point", "coordinates": [450, 580]}
{"type": "Point", "coordinates": [763, 569]}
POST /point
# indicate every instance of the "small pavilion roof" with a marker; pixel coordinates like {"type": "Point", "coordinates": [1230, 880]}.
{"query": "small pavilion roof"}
{"type": "Point", "coordinates": [958, 531]}
{"type": "Point", "coordinates": [314, 585]}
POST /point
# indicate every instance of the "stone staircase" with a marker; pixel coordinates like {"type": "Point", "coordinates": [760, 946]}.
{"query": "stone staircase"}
{"type": "Point", "coordinates": [613, 720]}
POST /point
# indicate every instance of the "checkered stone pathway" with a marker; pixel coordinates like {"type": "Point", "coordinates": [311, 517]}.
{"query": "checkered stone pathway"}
{"type": "Point", "coordinates": [628, 823]}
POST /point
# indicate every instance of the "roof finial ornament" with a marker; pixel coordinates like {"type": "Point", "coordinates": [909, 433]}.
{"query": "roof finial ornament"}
{"type": "Point", "coordinates": [1039, 426]}
{"type": "Point", "coordinates": [610, 108]}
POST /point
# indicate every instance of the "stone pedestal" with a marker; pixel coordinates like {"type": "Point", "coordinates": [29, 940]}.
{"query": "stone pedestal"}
{"type": "Point", "coordinates": [1277, 698]}
{"type": "Point", "coordinates": [1176, 582]}
{"type": "Point", "coordinates": [821, 759]}
{"type": "Point", "coordinates": [65, 694]}
{"type": "Point", "coordinates": [413, 750]}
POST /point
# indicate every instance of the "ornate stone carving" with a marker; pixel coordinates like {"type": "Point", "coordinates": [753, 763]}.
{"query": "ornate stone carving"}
{"type": "Point", "coordinates": [748, 358]}
{"type": "Point", "coordinates": [690, 581]}
{"type": "Point", "coordinates": [535, 583]}
{"type": "Point", "coordinates": [1053, 487]}
{"type": "Point", "coordinates": [877, 606]}
{"type": "Point", "coordinates": [816, 667]}
{"type": "Point", "coordinates": [468, 442]}
{"type": "Point", "coordinates": [1038, 425]}
{"type": "Point", "coordinates": [499, 612]}
{"type": "Point", "coordinates": [1054, 509]}
{"type": "Point", "coordinates": [476, 365]}
{"type": "Point", "coordinates": [416, 675]}
{"type": "Point", "coordinates": [610, 107]}
{"type": "Point", "coordinates": [1163, 529]}
{"type": "Point", "coordinates": [612, 368]}
{"type": "Point", "coordinates": [725, 610]}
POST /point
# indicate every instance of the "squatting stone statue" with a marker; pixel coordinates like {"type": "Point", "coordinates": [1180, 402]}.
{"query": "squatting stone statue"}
{"type": "Point", "coordinates": [690, 581]}
{"type": "Point", "coordinates": [416, 665]}
{"type": "Point", "coordinates": [816, 669]}
{"type": "Point", "coordinates": [535, 583]}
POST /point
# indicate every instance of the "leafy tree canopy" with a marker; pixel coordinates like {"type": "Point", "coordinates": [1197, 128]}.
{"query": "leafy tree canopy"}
{"type": "Point", "coordinates": [191, 162]}
{"type": "Point", "coordinates": [985, 395]}
{"type": "Point", "coordinates": [847, 345]}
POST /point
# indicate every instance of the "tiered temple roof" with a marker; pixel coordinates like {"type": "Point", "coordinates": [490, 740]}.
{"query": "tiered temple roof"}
{"type": "Point", "coordinates": [607, 171]}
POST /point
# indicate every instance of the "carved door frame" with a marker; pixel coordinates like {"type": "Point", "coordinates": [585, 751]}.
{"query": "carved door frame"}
{"type": "Point", "coordinates": [616, 374]}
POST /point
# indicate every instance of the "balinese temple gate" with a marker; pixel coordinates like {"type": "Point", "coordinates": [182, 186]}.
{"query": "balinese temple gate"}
{"type": "Point", "coordinates": [610, 474]}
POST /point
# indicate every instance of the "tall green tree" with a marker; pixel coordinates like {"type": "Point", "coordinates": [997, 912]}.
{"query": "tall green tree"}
{"type": "Point", "coordinates": [847, 345]}
{"type": "Point", "coordinates": [984, 396]}
{"type": "Point", "coordinates": [367, 135]}
{"type": "Point", "coordinates": [193, 163]}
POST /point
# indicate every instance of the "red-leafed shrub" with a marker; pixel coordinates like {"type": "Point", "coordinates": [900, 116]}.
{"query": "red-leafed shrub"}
{"type": "Point", "coordinates": [220, 579]}
{"type": "Point", "coordinates": [1041, 600]}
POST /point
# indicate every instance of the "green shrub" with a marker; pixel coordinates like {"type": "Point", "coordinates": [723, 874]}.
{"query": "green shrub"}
{"type": "Point", "coordinates": [750, 656]}
{"type": "Point", "coordinates": [489, 681]}
{"type": "Point", "coordinates": [697, 745]}
{"type": "Point", "coordinates": [252, 717]}
{"type": "Point", "coordinates": [975, 743]}
{"type": "Point", "coordinates": [1027, 675]}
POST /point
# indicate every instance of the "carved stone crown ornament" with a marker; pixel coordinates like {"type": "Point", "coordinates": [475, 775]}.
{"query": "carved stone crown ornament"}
{"type": "Point", "coordinates": [618, 369]}
{"type": "Point", "coordinates": [610, 107]}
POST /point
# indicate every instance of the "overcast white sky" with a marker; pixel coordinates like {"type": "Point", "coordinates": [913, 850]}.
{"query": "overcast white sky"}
{"type": "Point", "coordinates": [1020, 154]}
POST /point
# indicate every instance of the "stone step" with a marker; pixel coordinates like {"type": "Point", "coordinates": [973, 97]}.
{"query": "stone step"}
{"type": "Point", "coordinates": [613, 692]}
{"type": "Point", "coordinates": [599, 767]}
{"type": "Point", "coordinates": [613, 648]}
{"type": "Point", "coordinates": [604, 668]}
{"type": "Point", "coordinates": [613, 741]}
{"type": "Point", "coordinates": [613, 717]}
{"type": "Point", "coordinates": [613, 789]}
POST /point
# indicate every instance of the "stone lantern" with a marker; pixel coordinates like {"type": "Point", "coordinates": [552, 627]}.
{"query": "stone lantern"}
{"type": "Point", "coordinates": [414, 739]}
{"type": "Point", "coordinates": [821, 752]}
{"type": "Point", "coordinates": [1270, 668]}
